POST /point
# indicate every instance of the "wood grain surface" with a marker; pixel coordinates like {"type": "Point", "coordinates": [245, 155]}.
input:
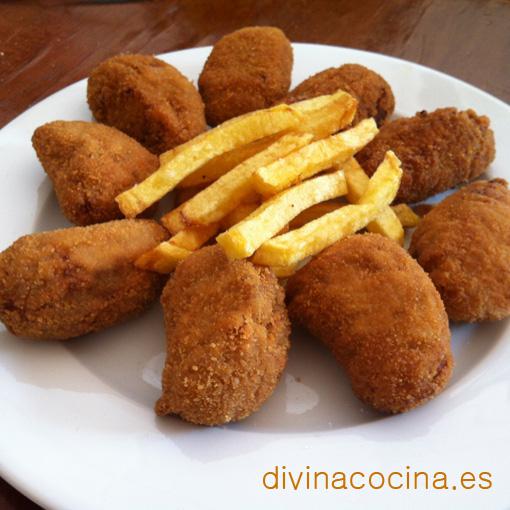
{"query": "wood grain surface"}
{"type": "Point", "coordinates": [46, 45]}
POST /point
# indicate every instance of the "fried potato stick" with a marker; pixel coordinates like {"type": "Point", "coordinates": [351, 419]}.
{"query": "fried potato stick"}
{"type": "Point", "coordinates": [163, 258]}
{"type": "Point", "coordinates": [312, 238]}
{"type": "Point", "coordinates": [221, 164]}
{"type": "Point", "coordinates": [225, 194]}
{"type": "Point", "coordinates": [313, 158]}
{"type": "Point", "coordinates": [387, 224]}
{"type": "Point", "coordinates": [407, 217]}
{"type": "Point", "coordinates": [243, 239]}
{"type": "Point", "coordinates": [328, 114]}
{"type": "Point", "coordinates": [201, 149]}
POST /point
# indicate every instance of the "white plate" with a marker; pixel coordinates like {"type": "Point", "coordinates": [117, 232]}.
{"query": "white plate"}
{"type": "Point", "coordinates": [78, 430]}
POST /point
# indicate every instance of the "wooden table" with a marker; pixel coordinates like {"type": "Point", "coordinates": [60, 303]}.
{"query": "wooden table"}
{"type": "Point", "coordinates": [46, 45]}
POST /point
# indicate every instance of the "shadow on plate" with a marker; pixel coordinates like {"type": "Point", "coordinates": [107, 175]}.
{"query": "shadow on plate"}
{"type": "Point", "coordinates": [48, 216]}
{"type": "Point", "coordinates": [314, 394]}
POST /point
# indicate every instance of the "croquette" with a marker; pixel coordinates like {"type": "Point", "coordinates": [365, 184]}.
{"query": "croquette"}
{"type": "Point", "coordinates": [247, 70]}
{"type": "Point", "coordinates": [90, 164]}
{"type": "Point", "coordinates": [464, 245]}
{"type": "Point", "coordinates": [147, 99]}
{"type": "Point", "coordinates": [69, 282]}
{"type": "Point", "coordinates": [227, 338]}
{"type": "Point", "coordinates": [378, 312]}
{"type": "Point", "coordinates": [438, 150]}
{"type": "Point", "coordinates": [374, 95]}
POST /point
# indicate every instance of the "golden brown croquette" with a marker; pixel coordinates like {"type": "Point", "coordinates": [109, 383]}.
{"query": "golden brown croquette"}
{"type": "Point", "coordinates": [69, 282]}
{"type": "Point", "coordinates": [373, 93]}
{"type": "Point", "coordinates": [380, 315]}
{"type": "Point", "coordinates": [147, 99]}
{"type": "Point", "coordinates": [90, 164]}
{"type": "Point", "coordinates": [247, 70]}
{"type": "Point", "coordinates": [227, 338]}
{"type": "Point", "coordinates": [438, 150]}
{"type": "Point", "coordinates": [464, 245]}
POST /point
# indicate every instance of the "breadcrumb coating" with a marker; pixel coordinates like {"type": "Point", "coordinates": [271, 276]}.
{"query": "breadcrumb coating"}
{"type": "Point", "coordinates": [374, 94]}
{"type": "Point", "coordinates": [438, 150]}
{"type": "Point", "coordinates": [69, 282]}
{"type": "Point", "coordinates": [247, 70]}
{"type": "Point", "coordinates": [381, 317]}
{"type": "Point", "coordinates": [90, 164]}
{"type": "Point", "coordinates": [227, 338]}
{"type": "Point", "coordinates": [147, 99]}
{"type": "Point", "coordinates": [464, 245]}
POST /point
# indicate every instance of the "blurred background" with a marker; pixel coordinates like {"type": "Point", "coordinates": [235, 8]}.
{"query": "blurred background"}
{"type": "Point", "coordinates": [45, 45]}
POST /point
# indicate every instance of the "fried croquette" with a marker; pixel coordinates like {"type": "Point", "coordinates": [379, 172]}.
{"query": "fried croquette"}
{"type": "Point", "coordinates": [464, 245]}
{"type": "Point", "coordinates": [89, 165]}
{"type": "Point", "coordinates": [247, 70]}
{"type": "Point", "coordinates": [227, 338]}
{"type": "Point", "coordinates": [373, 93]}
{"type": "Point", "coordinates": [69, 282]}
{"type": "Point", "coordinates": [380, 315]}
{"type": "Point", "coordinates": [438, 150]}
{"type": "Point", "coordinates": [147, 99]}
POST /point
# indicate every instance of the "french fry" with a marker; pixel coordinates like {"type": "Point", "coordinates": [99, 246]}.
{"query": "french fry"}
{"type": "Point", "coordinates": [225, 194]}
{"type": "Point", "coordinates": [407, 217]}
{"type": "Point", "coordinates": [163, 258]}
{"type": "Point", "coordinates": [193, 238]}
{"type": "Point", "coordinates": [313, 158]}
{"type": "Point", "coordinates": [241, 240]}
{"type": "Point", "coordinates": [313, 237]}
{"type": "Point", "coordinates": [221, 164]}
{"type": "Point", "coordinates": [387, 224]}
{"type": "Point", "coordinates": [173, 221]}
{"type": "Point", "coordinates": [314, 212]}
{"type": "Point", "coordinates": [193, 154]}
{"type": "Point", "coordinates": [325, 115]}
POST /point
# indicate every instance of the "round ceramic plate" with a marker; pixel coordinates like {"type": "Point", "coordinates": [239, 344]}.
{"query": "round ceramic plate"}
{"type": "Point", "coordinates": [78, 429]}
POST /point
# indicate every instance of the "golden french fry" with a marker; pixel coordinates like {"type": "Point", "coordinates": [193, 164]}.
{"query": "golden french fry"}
{"type": "Point", "coordinates": [407, 217]}
{"type": "Point", "coordinates": [193, 238]}
{"type": "Point", "coordinates": [314, 212]}
{"type": "Point", "coordinates": [163, 258]}
{"type": "Point", "coordinates": [241, 240]}
{"type": "Point", "coordinates": [325, 115]}
{"type": "Point", "coordinates": [225, 194]}
{"type": "Point", "coordinates": [221, 164]}
{"type": "Point", "coordinates": [383, 185]}
{"type": "Point", "coordinates": [313, 237]}
{"type": "Point", "coordinates": [193, 154]}
{"type": "Point", "coordinates": [387, 224]}
{"type": "Point", "coordinates": [173, 221]}
{"type": "Point", "coordinates": [311, 159]}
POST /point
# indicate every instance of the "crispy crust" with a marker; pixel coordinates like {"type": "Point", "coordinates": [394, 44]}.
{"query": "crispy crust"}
{"type": "Point", "coordinates": [464, 245]}
{"type": "Point", "coordinates": [438, 150]}
{"type": "Point", "coordinates": [374, 94]}
{"type": "Point", "coordinates": [227, 338]}
{"type": "Point", "coordinates": [69, 282]}
{"type": "Point", "coordinates": [147, 99]}
{"type": "Point", "coordinates": [382, 318]}
{"type": "Point", "coordinates": [247, 70]}
{"type": "Point", "coordinates": [89, 165]}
